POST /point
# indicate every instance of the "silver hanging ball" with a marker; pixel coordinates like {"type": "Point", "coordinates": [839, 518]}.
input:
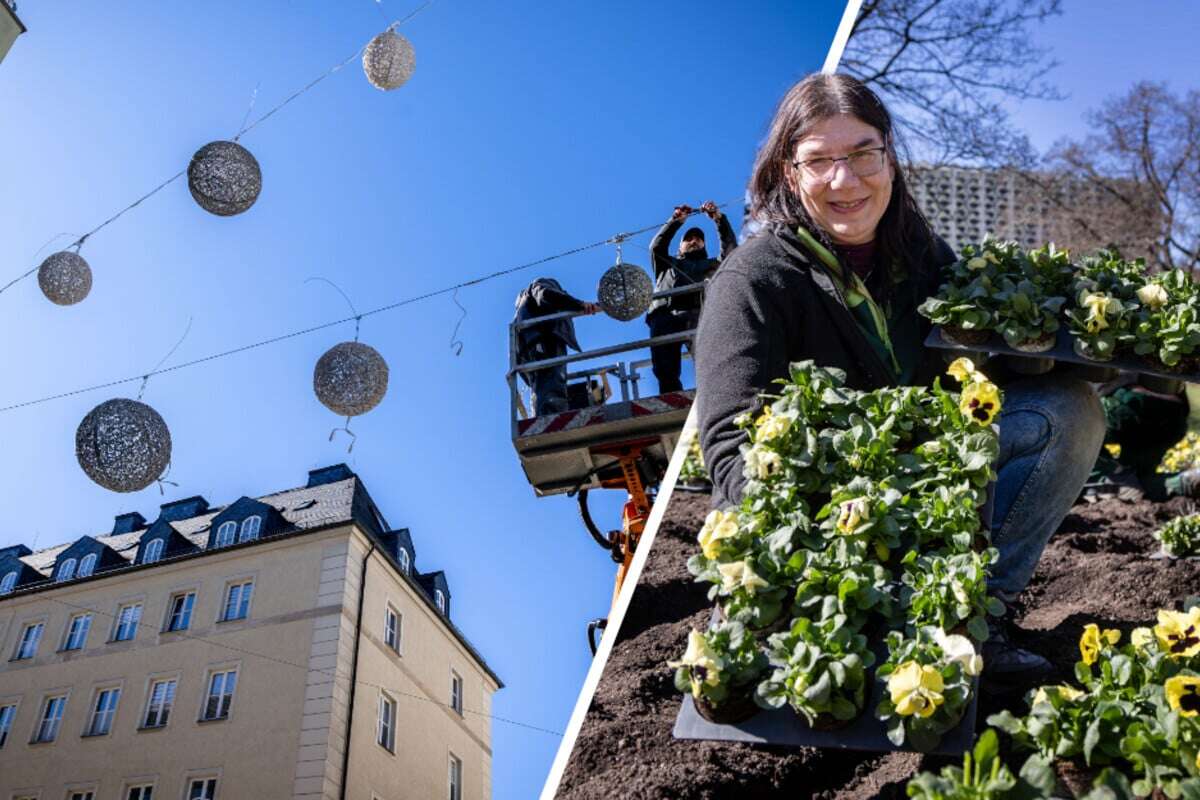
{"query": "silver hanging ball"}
{"type": "Point", "coordinates": [625, 292]}
{"type": "Point", "coordinates": [123, 445]}
{"type": "Point", "coordinates": [224, 178]}
{"type": "Point", "coordinates": [65, 278]}
{"type": "Point", "coordinates": [389, 61]}
{"type": "Point", "coordinates": [350, 379]}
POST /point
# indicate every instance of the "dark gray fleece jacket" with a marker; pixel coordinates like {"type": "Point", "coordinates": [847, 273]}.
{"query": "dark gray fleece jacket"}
{"type": "Point", "coordinates": [773, 303]}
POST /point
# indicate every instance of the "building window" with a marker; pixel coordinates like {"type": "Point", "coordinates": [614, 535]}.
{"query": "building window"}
{"type": "Point", "coordinates": [392, 629]}
{"type": "Point", "coordinates": [237, 601]}
{"type": "Point", "coordinates": [250, 528]}
{"type": "Point", "coordinates": [6, 720]}
{"type": "Point", "coordinates": [77, 632]}
{"type": "Point", "coordinates": [181, 611]}
{"type": "Point", "coordinates": [405, 563]}
{"type": "Point", "coordinates": [128, 619]}
{"type": "Point", "coordinates": [455, 777]}
{"type": "Point", "coordinates": [440, 599]}
{"type": "Point", "coordinates": [387, 723]}
{"type": "Point", "coordinates": [27, 647]}
{"type": "Point", "coordinates": [158, 708]}
{"type": "Point", "coordinates": [456, 691]}
{"type": "Point", "coordinates": [203, 789]}
{"type": "Point", "coordinates": [225, 534]}
{"type": "Point", "coordinates": [154, 550]}
{"type": "Point", "coordinates": [86, 795]}
{"type": "Point", "coordinates": [52, 714]}
{"type": "Point", "coordinates": [66, 570]}
{"type": "Point", "coordinates": [145, 792]}
{"type": "Point", "coordinates": [9, 583]}
{"type": "Point", "coordinates": [103, 713]}
{"type": "Point", "coordinates": [88, 565]}
{"type": "Point", "coordinates": [220, 695]}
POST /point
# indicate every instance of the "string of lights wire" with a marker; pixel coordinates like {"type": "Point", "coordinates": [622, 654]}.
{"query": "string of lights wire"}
{"type": "Point", "coordinates": [333, 323]}
{"type": "Point", "coordinates": [333, 673]}
{"type": "Point", "coordinates": [246, 128]}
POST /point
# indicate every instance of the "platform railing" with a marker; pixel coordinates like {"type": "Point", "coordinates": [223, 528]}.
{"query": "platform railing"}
{"type": "Point", "coordinates": [627, 372]}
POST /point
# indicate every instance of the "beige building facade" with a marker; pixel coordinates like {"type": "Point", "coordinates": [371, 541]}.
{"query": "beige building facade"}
{"type": "Point", "coordinates": [279, 647]}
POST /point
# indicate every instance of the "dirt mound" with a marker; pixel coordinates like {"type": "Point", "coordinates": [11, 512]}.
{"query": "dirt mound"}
{"type": "Point", "coordinates": [1097, 568]}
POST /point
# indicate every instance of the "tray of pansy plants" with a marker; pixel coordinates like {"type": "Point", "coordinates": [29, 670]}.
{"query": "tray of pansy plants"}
{"type": "Point", "coordinates": [1037, 307]}
{"type": "Point", "coordinates": [850, 582]}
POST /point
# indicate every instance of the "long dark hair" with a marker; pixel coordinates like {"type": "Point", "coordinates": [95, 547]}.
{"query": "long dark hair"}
{"type": "Point", "coordinates": [903, 236]}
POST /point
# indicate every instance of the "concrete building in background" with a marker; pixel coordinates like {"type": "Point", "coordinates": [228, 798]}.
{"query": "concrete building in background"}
{"type": "Point", "coordinates": [279, 647]}
{"type": "Point", "coordinates": [10, 26]}
{"type": "Point", "coordinates": [964, 204]}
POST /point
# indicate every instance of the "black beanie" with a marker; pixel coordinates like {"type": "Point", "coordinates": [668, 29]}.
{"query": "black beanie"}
{"type": "Point", "coordinates": [693, 231]}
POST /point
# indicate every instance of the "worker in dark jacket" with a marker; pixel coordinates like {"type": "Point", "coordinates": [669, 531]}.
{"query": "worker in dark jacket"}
{"type": "Point", "coordinates": [550, 339]}
{"type": "Point", "coordinates": [835, 276]}
{"type": "Point", "coordinates": [669, 315]}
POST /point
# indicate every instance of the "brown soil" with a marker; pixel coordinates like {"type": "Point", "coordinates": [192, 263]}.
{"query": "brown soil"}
{"type": "Point", "coordinates": [1097, 568]}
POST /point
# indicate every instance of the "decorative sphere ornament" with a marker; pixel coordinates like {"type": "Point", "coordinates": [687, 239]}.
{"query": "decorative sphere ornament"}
{"type": "Point", "coordinates": [350, 379]}
{"type": "Point", "coordinates": [65, 278]}
{"type": "Point", "coordinates": [625, 292]}
{"type": "Point", "coordinates": [224, 178]}
{"type": "Point", "coordinates": [123, 445]}
{"type": "Point", "coordinates": [388, 61]}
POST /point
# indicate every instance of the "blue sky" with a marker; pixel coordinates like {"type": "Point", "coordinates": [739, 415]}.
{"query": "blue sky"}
{"type": "Point", "coordinates": [528, 129]}
{"type": "Point", "coordinates": [1103, 48]}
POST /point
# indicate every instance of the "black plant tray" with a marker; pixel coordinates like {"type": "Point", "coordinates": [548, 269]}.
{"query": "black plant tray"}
{"type": "Point", "coordinates": [785, 727]}
{"type": "Point", "coordinates": [1063, 351]}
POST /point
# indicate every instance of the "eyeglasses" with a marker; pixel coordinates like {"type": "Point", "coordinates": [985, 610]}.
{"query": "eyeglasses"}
{"type": "Point", "coordinates": [863, 163]}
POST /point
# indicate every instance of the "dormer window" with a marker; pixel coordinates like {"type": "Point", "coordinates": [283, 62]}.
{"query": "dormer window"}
{"type": "Point", "coordinates": [8, 583]}
{"type": "Point", "coordinates": [88, 565]}
{"type": "Point", "coordinates": [66, 570]}
{"type": "Point", "coordinates": [153, 551]}
{"type": "Point", "coordinates": [440, 598]}
{"type": "Point", "coordinates": [225, 534]}
{"type": "Point", "coordinates": [250, 528]}
{"type": "Point", "coordinates": [405, 564]}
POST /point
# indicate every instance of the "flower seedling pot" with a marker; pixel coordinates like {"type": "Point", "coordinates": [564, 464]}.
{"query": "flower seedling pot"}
{"type": "Point", "coordinates": [738, 707]}
{"type": "Point", "coordinates": [1161, 385]}
{"type": "Point", "coordinates": [1027, 365]}
{"type": "Point", "coordinates": [1075, 779]}
{"type": "Point", "coordinates": [828, 722]}
{"type": "Point", "coordinates": [963, 336]}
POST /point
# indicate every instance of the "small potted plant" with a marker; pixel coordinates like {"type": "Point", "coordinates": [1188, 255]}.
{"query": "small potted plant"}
{"type": "Point", "coordinates": [927, 688]}
{"type": "Point", "coordinates": [820, 671]}
{"type": "Point", "coordinates": [1167, 327]}
{"type": "Point", "coordinates": [1180, 537]}
{"type": "Point", "coordinates": [949, 591]}
{"type": "Point", "coordinates": [720, 669]}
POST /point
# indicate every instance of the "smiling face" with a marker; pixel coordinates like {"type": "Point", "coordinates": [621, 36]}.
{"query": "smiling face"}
{"type": "Point", "coordinates": [846, 206]}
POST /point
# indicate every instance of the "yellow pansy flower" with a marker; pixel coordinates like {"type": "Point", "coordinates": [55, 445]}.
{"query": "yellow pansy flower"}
{"type": "Point", "coordinates": [1062, 690]}
{"type": "Point", "coordinates": [740, 575]}
{"type": "Point", "coordinates": [959, 648]}
{"type": "Point", "coordinates": [703, 664]}
{"type": "Point", "coordinates": [763, 463]}
{"type": "Point", "coordinates": [771, 425]}
{"type": "Point", "coordinates": [976, 263]}
{"type": "Point", "coordinates": [990, 256]}
{"type": "Point", "coordinates": [1179, 632]}
{"type": "Point", "coordinates": [1098, 305]}
{"type": "Point", "coordinates": [1093, 641]}
{"type": "Point", "coordinates": [1140, 637]}
{"type": "Point", "coordinates": [853, 513]}
{"type": "Point", "coordinates": [916, 689]}
{"type": "Point", "coordinates": [1153, 295]}
{"type": "Point", "coordinates": [1183, 694]}
{"type": "Point", "coordinates": [980, 401]}
{"type": "Point", "coordinates": [963, 370]}
{"type": "Point", "coordinates": [718, 526]}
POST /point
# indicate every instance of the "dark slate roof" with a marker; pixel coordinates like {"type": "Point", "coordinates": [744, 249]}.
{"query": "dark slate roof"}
{"type": "Point", "coordinates": [304, 508]}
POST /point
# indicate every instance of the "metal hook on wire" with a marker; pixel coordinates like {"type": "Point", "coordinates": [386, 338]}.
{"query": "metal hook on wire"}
{"type": "Point", "coordinates": [163, 360]}
{"type": "Point", "coordinates": [456, 343]}
{"type": "Point", "coordinates": [357, 316]}
{"type": "Point", "coordinates": [346, 430]}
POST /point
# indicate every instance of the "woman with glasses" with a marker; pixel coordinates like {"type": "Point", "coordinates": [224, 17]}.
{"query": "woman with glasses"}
{"type": "Point", "coordinates": [835, 275]}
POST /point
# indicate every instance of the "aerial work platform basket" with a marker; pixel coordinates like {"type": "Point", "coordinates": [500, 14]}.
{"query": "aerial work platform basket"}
{"type": "Point", "coordinates": [582, 448]}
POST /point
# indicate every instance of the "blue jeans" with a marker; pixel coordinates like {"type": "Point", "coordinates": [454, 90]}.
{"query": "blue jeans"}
{"type": "Point", "coordinates": [1051, 430]}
